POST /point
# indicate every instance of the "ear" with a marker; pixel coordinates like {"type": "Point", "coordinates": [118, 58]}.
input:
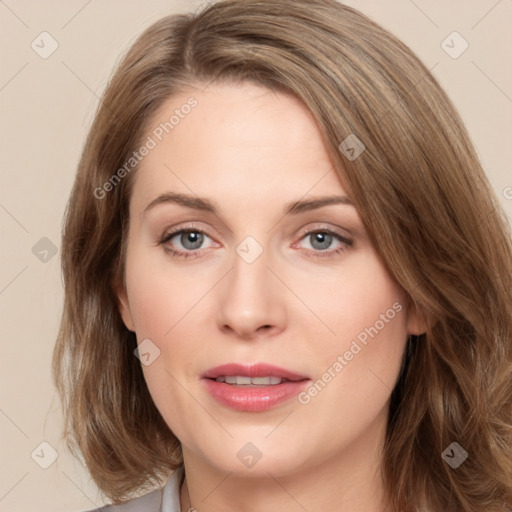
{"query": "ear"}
{"type": "Point", "coordinates": [124, 305]}
{"type": "Point", "coordinates": [417, 321]}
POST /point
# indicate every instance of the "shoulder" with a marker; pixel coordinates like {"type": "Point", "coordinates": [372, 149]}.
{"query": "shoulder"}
{"type": "Point", "coordinates": [165, 499]}
{"type": "Point", "coordinates": [151, 502]}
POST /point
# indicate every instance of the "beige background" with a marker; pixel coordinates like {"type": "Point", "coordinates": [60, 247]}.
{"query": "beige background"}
{"type": "Point", "coordinates": [46, 107]}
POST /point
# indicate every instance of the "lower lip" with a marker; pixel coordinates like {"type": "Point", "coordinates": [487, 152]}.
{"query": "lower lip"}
{"type": "Point", "coordinates": [253, 399]}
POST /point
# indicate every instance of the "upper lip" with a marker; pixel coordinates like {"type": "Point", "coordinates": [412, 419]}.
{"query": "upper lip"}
{"type": "Point", "coordinates": [252, 370]}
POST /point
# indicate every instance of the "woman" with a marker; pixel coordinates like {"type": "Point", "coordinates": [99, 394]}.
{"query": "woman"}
{"type": "Point", "coordinates": [288, 282]}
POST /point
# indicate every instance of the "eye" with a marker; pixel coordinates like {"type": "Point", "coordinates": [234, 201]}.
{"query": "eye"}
{"type": "Point", "coordinates": [190, 240]}
{"type": "Point", "coordinates": [183, 242]}
{"type": "Point", "coordinates": [324, 241]}
{"type": "Point", "coordinates": [320, 241]}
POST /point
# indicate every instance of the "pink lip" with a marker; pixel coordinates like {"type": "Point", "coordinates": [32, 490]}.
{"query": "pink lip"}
{"type": "Point", "coordinates": [254, 370]}
{"type": "Point", "coordinates": [253, 399]}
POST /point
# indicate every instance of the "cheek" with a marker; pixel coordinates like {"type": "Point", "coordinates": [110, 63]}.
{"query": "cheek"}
{"type": "Point", "coordinates": [359, 364]}
{"type": "Point", "coordinates": [167, 310]}
{"type": "Point", "coordinates": [160, 295]}
{"type": "Point", "coordinates": [371, 333]}
{"type": "Point", "coordinates": [162, 305]}
{"type": "Point", "coordinates": [360, 302]}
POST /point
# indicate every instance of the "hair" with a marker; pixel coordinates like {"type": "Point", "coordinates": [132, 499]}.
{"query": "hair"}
{"type": "Point", "coordinates": [421, 194]}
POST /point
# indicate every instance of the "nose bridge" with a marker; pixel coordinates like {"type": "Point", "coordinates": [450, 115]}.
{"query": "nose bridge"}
{"type": "Point", "coordinates": [248, 277]}
{"type": "Point", "coordinates": [250, 297]}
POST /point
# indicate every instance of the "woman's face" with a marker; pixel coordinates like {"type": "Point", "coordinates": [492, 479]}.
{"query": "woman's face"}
{"type": "Point", "coordinates": [270, 332]}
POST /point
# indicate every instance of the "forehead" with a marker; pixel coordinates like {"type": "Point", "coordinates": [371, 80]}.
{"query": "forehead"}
{"type": "Point", "coordinates": [238, 142]}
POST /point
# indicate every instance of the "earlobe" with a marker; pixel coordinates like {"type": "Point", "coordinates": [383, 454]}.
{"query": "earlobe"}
{"type": "Point", "coordinates": [124, 307]}
{"type": "Point", "coordinates": [417, 323]}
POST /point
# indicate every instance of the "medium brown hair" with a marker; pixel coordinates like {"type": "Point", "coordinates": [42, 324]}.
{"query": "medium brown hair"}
{"type": "Point", "coordinates": [420, 191]}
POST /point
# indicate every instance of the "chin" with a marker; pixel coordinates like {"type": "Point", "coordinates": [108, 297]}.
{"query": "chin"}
{"type": "Point", "coordinates": [255, 457]}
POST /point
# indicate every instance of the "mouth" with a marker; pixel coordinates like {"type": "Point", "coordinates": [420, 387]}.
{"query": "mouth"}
{"type": "Point", "coordinates": [252, 388]}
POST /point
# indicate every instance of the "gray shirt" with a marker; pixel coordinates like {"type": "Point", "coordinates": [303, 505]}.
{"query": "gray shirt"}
{"type": "Point", "coordinates": [166, 499]}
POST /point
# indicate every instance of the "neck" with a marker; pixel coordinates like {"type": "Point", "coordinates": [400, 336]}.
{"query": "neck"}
{"type": "Point", "coordinates": [350, 479]}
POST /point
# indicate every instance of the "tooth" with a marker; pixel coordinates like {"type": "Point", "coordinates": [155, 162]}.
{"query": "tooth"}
{"type": "Point", "coordinates": [261, 380]}
{"type": "Point", "coordinates": [242, 380]}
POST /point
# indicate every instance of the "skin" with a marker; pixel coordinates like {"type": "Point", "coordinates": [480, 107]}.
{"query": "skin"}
{"type": "Point", "coordinates": [251, 151]}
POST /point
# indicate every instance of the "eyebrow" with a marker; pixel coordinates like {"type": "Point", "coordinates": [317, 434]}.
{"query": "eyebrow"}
{"type": "Point", "coordinates": [203, 204]}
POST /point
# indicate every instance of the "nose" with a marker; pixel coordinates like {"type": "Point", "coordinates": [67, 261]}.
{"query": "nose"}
{"type": "Point", "coordinates": [250, 301]}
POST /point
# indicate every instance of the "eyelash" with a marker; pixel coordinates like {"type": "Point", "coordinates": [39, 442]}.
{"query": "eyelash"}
{"type": "Point", "coordinates": [346, 243]}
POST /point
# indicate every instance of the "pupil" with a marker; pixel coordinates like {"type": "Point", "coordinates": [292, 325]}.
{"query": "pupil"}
{"type": "Point", "coordinates": [191, 239]}
{"type": "Point", "coordinates": [321, 241]}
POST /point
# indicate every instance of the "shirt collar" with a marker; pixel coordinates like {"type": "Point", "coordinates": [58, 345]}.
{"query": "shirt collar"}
{"type": "Point", "coordinates": [171, 492]}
